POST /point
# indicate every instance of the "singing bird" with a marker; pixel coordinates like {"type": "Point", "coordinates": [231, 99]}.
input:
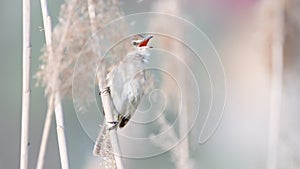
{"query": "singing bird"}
{"type": "Point", "coordinates": [127, 80]}
{"type": "Point", "coordinates": [126, 83]}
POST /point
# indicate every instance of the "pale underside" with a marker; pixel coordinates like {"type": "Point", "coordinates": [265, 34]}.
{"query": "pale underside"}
{"type": "Point", "coordinates": [126, 82]}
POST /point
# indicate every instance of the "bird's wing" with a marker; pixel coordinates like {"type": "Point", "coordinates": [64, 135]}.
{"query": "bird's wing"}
{"type": "Point", "coordinates": [126, 84]}
{"type": "Point", "coordinates": [116, 81]}
{"type": "Point", "coordinates": [134, 92]}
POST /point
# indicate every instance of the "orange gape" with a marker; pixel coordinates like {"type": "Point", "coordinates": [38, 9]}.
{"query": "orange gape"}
{"type": "Point", "coordinates": [144, 43]}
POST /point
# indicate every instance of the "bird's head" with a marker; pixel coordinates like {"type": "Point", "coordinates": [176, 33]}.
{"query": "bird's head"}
{"type": "Point", "coordinates": [140, 47]}
{"type": "Point", "coordinates": [139, 41]}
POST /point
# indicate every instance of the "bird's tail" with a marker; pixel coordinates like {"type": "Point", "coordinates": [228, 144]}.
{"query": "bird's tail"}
{"type": "Point", "coordinates": [123, 120]}
{"type": "Point", "coordinates": [101, 141]}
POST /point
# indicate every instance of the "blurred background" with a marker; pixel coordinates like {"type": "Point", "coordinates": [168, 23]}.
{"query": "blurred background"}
{"type": "Point", "coordinates": [243, 32]}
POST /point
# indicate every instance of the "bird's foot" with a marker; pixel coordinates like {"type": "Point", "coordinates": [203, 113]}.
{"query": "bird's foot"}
{"type": "Point", "coordinates": [112, 125]}
{"type": "Point", "coordinates": [105, 90]}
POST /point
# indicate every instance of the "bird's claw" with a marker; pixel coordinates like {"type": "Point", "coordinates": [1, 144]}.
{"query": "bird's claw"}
{"type": "Point", "coordinates": [104, 90]}
{"type": "Point", "coordinates": [114, 125]}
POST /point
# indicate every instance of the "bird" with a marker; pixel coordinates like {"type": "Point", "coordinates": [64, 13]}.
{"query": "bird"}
{"type": "Point", "coordinates": [126, 82]}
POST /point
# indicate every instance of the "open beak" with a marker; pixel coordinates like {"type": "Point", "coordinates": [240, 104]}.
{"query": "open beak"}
{"type": "Point", "coordinates": [145, 41]}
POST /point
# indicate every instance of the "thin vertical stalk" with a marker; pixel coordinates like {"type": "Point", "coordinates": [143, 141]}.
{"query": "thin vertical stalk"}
{"type": "Point", "coordinates": [60, 129]}
{"type": "Point", "coordinates": [184, 117]}
{"type": "Point", "coordinates": [25, 85]}
{"type": "Point", "coordinates": [277, 46]}
{"type": "Point", "coordinates": [108, 109]}
{"type": "Point", "coordinates": [48, 120]}
{"type": "Point", "coordinates": [45, 136]}
{"type": "Point", "coordinates": [105, 95]}
{"type": "Point", "coordinates": [54, 97]}
{"type": "Point", "coordinates": [180, 154]}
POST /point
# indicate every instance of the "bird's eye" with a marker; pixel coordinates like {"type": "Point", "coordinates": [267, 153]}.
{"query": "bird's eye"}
{"type": "Point", "coordinates": [134, 43]}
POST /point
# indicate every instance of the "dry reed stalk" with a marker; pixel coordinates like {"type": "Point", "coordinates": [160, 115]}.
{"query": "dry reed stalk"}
{"type": "Point", "coordinates": [71, 39]}
{"type": "Point", "coordinates": [54, 101]}
{"type": "Point", "coordinates": [277, 47]}
{"type": "Point", "coordinates": [105, 95]}
{"type": "Point", "coordinates": [45, 136]}
{"type": "Point", "coordinates": [109, 117]}
{"type": "Point", "coordinates": [60, 130]}
{"type": "Point", "coordinates": [25, 85]}
{"type": "Point", "coordinates": [48, 120]}
{"type": "Point", "coordinates": [180, 154]}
